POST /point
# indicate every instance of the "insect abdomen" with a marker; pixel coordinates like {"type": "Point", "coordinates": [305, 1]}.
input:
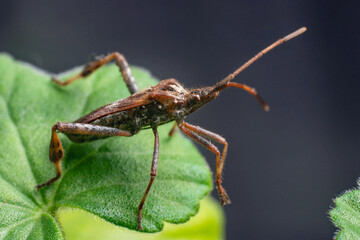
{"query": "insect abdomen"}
{"type": "Point", "coordinates": [132, 120]}
{"type": "Point", "coordinates": [135, 119]}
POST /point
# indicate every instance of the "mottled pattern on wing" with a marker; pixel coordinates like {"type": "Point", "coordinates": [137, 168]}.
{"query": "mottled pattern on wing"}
{"type": "Point", "coordinates": [135, 100]}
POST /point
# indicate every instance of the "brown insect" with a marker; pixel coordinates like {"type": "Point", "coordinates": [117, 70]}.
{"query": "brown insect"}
{"type": "Point", "coordinates": [167, 101]}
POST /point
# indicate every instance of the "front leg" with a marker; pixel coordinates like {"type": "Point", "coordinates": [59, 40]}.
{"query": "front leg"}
{"type": "Point", "coordinates": [172, 130]}
{"type": "Point", "coordinates": [152, 176]}
{"type": "Point", "coordinates": [219, 139]}
{"type": "Point", "coordinates": [93, 66]}
{"type": "Point", "coordinates": [56, 151]}
{"type": "Point", "coordinates": [193, 132]}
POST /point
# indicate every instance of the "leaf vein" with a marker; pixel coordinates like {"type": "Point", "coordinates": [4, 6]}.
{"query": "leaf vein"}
{"type": "Point", "coordinates": [8, 228]}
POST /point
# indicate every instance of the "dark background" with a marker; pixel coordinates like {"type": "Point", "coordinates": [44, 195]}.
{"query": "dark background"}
{"type": "Point", "coordinates": [284, 167]}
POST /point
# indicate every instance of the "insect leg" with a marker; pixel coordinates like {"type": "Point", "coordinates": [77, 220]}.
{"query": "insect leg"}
{"type": "Point", "coordinates": [224, 198]}
{"type": "Point", "coordinates": [92, 66]}
{"type": "Point", "coordinates": [219, 139]}
{"type": "Point", "coordinates": [152, 175]}
{"type": "Point", "coordinates": [172, 131]}
{"type": "Point", "coordinates": [56, 151]}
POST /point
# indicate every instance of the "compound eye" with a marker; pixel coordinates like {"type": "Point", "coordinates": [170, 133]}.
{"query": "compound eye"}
{"type": "Point", "coordinates": [197, 97]}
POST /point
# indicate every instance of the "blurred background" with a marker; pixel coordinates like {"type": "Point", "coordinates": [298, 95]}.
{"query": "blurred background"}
{"type": "Point", "coordinates": [284, 167]}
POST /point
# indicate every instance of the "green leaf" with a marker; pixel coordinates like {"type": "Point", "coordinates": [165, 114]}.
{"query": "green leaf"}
{"type": "Point", "coordinates": [346, 215]}
{"type": "Point", "coordinates": [105, 177]}
{"type": "Point", "coordinates": [206, 225]}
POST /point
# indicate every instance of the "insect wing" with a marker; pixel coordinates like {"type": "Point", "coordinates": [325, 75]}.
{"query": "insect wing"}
{"type": "Point", "coordinates": [136, 100]}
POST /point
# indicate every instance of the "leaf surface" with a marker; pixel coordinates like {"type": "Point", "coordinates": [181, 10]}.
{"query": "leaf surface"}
{"type": "Point", "coordinates": [346, 215]}
{"type": "Point", "coordinates": [206, 225]}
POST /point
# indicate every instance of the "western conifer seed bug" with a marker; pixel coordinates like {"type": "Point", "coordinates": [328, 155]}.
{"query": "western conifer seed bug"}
{"type": "Point", "coordinates": [167, 101]}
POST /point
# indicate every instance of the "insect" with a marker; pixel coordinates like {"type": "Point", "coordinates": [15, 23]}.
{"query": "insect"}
{"type": "Point", "coordinates": [166, 102]}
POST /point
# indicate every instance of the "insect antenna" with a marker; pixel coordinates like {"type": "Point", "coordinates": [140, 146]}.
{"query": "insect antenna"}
{"type": "Point", "coordinates": [263, 52]}
{"type": "Point", "coordinates": [225, 83]}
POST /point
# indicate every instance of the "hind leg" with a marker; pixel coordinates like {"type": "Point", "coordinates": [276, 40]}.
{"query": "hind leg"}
{"type": "Point", "coordinates": [56, 151]}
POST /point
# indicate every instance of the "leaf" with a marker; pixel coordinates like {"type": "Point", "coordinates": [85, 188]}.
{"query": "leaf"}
{"type": "Point", "coordinates": [105, 177]}
{"type": "Point", "coordinates": [206, 225]}
{"type": "Point", "coordinates": [346, 215]}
